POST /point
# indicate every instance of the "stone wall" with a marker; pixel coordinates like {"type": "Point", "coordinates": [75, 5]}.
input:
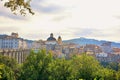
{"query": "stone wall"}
{"type": "Point", "coordinates": [17, 54]}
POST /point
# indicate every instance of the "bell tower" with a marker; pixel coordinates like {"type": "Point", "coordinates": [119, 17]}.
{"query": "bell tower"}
{"type": "Point", "coordinates": [59, 40]}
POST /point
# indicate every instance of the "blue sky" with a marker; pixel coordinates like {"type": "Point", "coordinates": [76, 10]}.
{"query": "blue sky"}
{"type": "Point", "coordinates": [98, 19]}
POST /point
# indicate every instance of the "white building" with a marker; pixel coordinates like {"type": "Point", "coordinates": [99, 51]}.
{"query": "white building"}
{"type": "Point", "coordinates": [12, 42]}
{"type": "Point", "coordinates": [1, 37]}
{"type": "Point", "coordinates": [101, 54]}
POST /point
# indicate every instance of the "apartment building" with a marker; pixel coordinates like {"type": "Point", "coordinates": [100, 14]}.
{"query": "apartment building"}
{"type": "Point", "coordinates": [12, 42]}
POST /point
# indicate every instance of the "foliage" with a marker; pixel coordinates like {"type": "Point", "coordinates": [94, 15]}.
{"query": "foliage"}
{"type": "Point", "coordinates": [7, 73]}
{"type": "Point", "coordinates": [10, 62]}
{"type": "Point", "coordinates": [35, 66]}
{"type": "Point", "coordinates": [1, 67]}
{"type": "Point", "coordinates": [85, 66]}
{"type": "Point", "coordinates": [42, 65]}
{"type": "Point", "coordinates": [105, 74]}
{"type": "Point", "coordinates": [113, 65]}
{"type": "Point", "coordinates": [8, 67]}
{"type": "Point", "coordinates": [60, 69]}
{"type": "Point", "coordinates": [21, 6]}
{"type": "Point", "coordinates": [118, 75]}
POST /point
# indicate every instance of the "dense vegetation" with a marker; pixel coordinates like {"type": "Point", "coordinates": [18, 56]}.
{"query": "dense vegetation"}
{"type": "Point", "coordinates": [42, 66]}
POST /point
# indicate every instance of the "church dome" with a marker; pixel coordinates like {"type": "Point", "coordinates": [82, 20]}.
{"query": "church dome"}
{"type": "Point", "coordinates": [51, 38]}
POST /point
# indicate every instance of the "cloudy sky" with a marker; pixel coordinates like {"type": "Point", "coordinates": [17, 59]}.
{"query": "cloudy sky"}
{"type": "Point", "coordinates": [98, 19]}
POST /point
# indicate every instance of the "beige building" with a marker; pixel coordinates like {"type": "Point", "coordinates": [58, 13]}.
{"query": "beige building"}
{"type": "Point", "coordinates": [54, 45]}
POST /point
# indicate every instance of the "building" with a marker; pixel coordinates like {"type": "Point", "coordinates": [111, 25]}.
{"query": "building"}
{"type": "Point", "coordinates": [1, 37]}
{"type": "Point", "coordinates": [59, 40]}
{"type": "Point", "coordinates": [106, 47]}
{"type": "Point", "coordinates": [54, 45]}
{"type": "Point", "coordinates": [116, 50]}
{"type": "Point", "coordinates": [51, 40]}
{"type": "Point", "coordinates": [14, 35]}
{"type": "Point", "coordinates": [29, 44]}
{"type": "Point", "coordinates": [12, 41]}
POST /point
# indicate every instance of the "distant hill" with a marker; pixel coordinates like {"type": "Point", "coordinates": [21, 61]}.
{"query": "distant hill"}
{"type": "Point", "coordinates": [84, 41]}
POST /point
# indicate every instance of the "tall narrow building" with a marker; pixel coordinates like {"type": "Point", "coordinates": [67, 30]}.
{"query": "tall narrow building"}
{"type": "Point", "coordinates": [59, 40]}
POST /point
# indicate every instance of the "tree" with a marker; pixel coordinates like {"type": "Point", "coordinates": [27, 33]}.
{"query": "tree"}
{"type": "Point", "coordinates": [43, 66]}
{"type": "Point", "coordinates": [105, 74]}
{"type": "Point", "coordinates": [10, 62]}
{"type": "Point", "coordinates": [118, 75]}
{"type": "Point", "coordinates": [8, 67]}
{"type": "Point", "coordinates": [22, 6]}
{"type": "Point", "coordinates": [60, 69]}
{"type": "Point", "coordinates": [85, 66]}
{"type": "Point", "coordinates": [1, 67]}
{"type": "Point", "coordinates": [7, 73]}
{"type": "Point", "coordinates": [35, 66]}
{"type": "Point", "coordinates": [113, 65]}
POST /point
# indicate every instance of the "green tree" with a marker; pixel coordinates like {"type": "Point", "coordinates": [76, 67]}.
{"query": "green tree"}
{"type": "Point", "coordinates": [113, 65]}
{"type": "Point", "coordinates": [8, 67]}
{"type": "Point", "coordinates": [118, 75]}
{"type": "Point", "coordinates": [105, 74]}
{"type": "Point", "coordinates": [7, 73]}
{"type": "Point", "coordinates": [35, 66]}
{"type": "Point", "coordinates": [60, 69]}
{"type": "Point", "coordinates": [22, 6]}
{"type": "Point", "coordinates": [10, 62]}
{"type": "Point", "coordinates": [85, 66]}
{"type": "Point", "coordinates": [1, 67]}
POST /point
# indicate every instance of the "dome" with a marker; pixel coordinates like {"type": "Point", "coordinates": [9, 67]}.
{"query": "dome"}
{"type": "Point", "coordinates": [51, 38]}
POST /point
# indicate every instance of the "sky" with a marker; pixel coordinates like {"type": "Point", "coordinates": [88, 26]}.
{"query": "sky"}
{"type": "Point", "coordinates": [96, 19]}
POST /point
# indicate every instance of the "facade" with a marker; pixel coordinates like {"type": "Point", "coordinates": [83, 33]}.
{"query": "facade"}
{"type": "Point", "coordinates": [59, 48]}
{"type": "Point", "coordinates": [12, 42]}
{"type": "Point", "coordinates": [54, 45]}
{"type": "Point", "coordinates": [101, 55]}
{"type": "Point", "coordinates": [51, 43]}
{"type": "Point", "coordinates": [59, 40]}
{"type": "Point", "coordinates": [106, 47]}
{"type": "Point", "coordinates": [29, 44]}
{"type": "Point", "coordinates": [36, 45]}
{"type": "Point", "coordinates": [116, 51]}
{"type": "Point", "coordinates": [51, 40]}
{"type": "Point", "coordinates": [2, 37]}
{"type": "Point", "coordinates": [18, 54]}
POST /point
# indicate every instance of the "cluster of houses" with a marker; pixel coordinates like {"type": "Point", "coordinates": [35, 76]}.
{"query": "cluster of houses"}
{"type": "Point", "coordinates": [103, 52]}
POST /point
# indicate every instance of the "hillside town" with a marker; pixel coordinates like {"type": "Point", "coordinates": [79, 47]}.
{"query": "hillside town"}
{"type": "Point", "coordinates": [104, 52]}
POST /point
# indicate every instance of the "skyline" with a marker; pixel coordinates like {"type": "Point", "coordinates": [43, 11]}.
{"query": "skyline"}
{"type": "Point", "coordinates": [67, 18]}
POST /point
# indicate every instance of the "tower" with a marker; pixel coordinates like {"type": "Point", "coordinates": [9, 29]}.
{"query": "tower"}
{"type": "Point", "coordinates": [59, 40]}
{"type": "Point", "coordinates": [15, 35]}
{"type": "Point", "coordinates": [51, 35]}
